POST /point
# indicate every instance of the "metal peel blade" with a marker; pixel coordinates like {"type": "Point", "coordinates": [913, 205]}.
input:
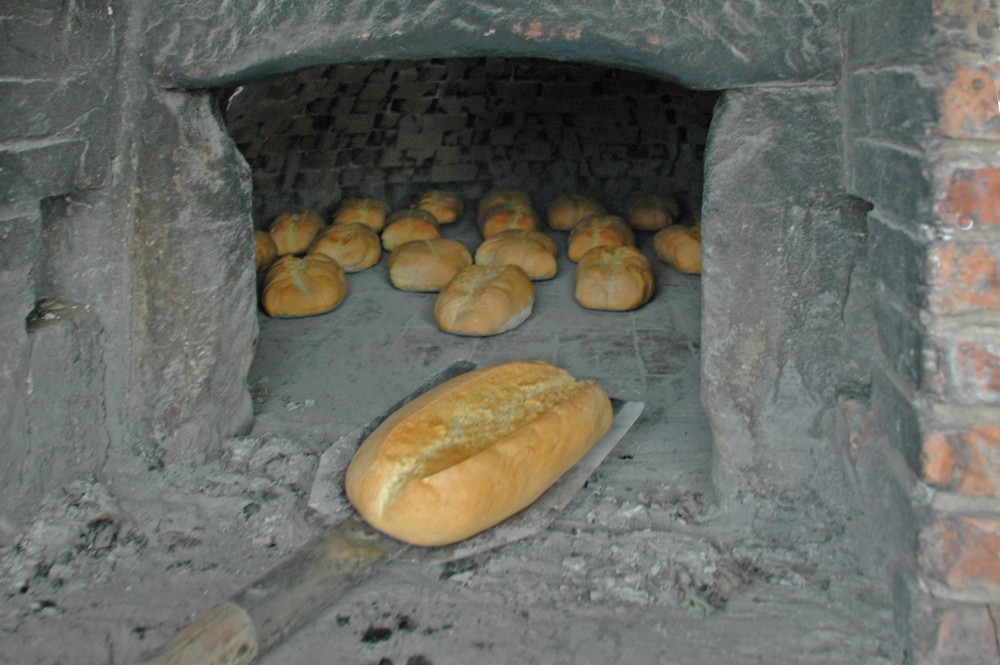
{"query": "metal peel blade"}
{"type": "Point", "coordinates": [238, 630]}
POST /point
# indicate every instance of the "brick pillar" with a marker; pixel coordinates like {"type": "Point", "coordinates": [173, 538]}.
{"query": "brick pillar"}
{"type": "Point", "coordinates": [959, 457]}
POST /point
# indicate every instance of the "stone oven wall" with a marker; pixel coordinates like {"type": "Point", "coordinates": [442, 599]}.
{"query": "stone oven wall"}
{"type": "Point", "coordinates": [390, 128]}
{"type": "Point", "coordinates": [861, 130]}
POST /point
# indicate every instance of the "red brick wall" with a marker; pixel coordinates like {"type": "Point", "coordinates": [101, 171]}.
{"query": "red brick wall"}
{"type": "Point", "coordinates": [959, 546]}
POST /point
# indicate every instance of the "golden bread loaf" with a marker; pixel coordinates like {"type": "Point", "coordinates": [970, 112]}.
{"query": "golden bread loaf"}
{"type": "Point", "coordinates": [614, 278]}
{"type": "Point", "coordinates": [598, 231]}
{"type": "Point", "coordinates": [303, 286]}
{"type": "Point", "coordinates": [532, 251]}
{"type": "Point", "coordinates": [652, 212]}
{"type": "Point", "coordinates": [504, 216]}
{"type": "Point", "coordinates": [485, 300]}
{"type": "Point", "coordinates": [264, 249]}
{"type": "Point", "coordinates": [293, 232]}
{"type": "Point", "coordinates": [445, 206]}
{"type": "Point", "coordinates": [368, 211]}
{"type": "Point", "coordinates": [567, 210]}
{"type": "Point", "coordinates": [354, 246]}
{"type": "Point", "coordinates": [475, 450]}
{"type": "Point", "coordinates": [494, 197]}
{"type": "Point", "coordinates": [679, 247]}
{"type": "Point", "coordinates": [427, 265]}
{"type": "Point", "coordinates": [405, 225]}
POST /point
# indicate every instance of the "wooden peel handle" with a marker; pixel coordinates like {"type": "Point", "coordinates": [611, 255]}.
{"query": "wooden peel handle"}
{"type": "Point", "coordinates": [238, 630]}
{"type": "Point", "coordinates": [224, 635]}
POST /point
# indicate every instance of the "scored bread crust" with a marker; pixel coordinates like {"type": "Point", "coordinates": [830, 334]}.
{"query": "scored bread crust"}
{"type": "Point", "coordinates": [485, 300]}
{"type": "Point", "coordinates": [452, 494]}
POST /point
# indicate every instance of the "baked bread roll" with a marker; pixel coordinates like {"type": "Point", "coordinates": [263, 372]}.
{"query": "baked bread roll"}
{"type": "Point", "coordinates": [427, 265]}
{"type": "Point", "coordinates": [497, 196]}
{"type": "Point", "coordinates": [567, 210]}
{"type": "Point", "coordinates": [475, 450]}
{"type": "Point", "coordinates": [679, 247]}
{"type": "Point", "coordinates": [293, 232]}
{"type": "Point", "coordinates": [504, 216]}
{"type": "Point", "coordinates": [485, 300]}
{"type": "Point", "coordinates": [264, 249]}
{"type": "Point", "coordinates": [532, 251]}
{"type": "Point", "coordinates": [303, 286]}
{"type": "Point", "coordinates": [614, 278]}
{"type": "Point", "coordinates": [598, 231]}
{"type": "Point", "coordinates": [367, 211]}
{"type": "Point", "coordinates": [405, 225]}
{"type": "Point", "coordinates": [445, 206]}
{"type": "Point", "coordinates": [354, 246]}
{"type": "Point", "coordinates": [652, 212]}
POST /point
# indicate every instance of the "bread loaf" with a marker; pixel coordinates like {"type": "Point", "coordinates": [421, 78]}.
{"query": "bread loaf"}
{"type": "Point", "coordinates": [475, 450]}
{"type": "Point", "coordinates": [293, 232]}
{"type": "Point", "coordinates": [445, 206]}
{"type": "Point", "coordinates": [652, 212]}
{"type": "Point", "coordinates": [354, 246]}
{"type": "Point", "coordinates": [679, 247]}
{"type": "Point", "coordinates": [304, 286]}
{"type": "Point", "coordinates": [504, 216]}
{"type": "Point", "coordinates": [485, 300]}
{"type": "Point", "coordinates": [368, 211]}
{"type": "Point", "coordinates": [495, 197]}
{"type": "Point", "coordinates": [427, 265]}
{"type": "Point", "coordinates": [567, 210]}
{"type": "Point", "coordinates": [598, 231]}
{"type": "Point", "coordinates": [614, 278]}
{"type": "Point", "coordinates": [532, 251]}
{"type": "Point", "coordinates": [264, 249]}
{"type": "Point", "coordinates": [405, 225]}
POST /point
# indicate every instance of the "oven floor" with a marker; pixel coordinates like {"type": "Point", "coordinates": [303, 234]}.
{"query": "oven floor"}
{"type": "Point", "coordinates": [642, 567]}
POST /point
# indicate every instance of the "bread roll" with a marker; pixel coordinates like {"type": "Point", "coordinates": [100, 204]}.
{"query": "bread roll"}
{"type": "Point", "coordinates": [652, 212]}
{"type": "Point", "coordinates": [303, 286]}
{"type": "Point", "coordinates": [532, 251]}
{"type": "Point", "coordinates": [427, 265]}
{"type": "Point", "coordinates": [405, 225]}
{"type": "Point", "coordinates": [614, 278]}
{"type": "Point", "coordinates": [598, 231]}
{"type": "Point", "coordinates": [679, 247]}
{"type": "Point", "coordinates": [504, 216]}
{"type": "Point", "coordinates": [264, 249]}
{"type": "Point", "coordinates": [475, 450]}
{"type": "Point", "coordinates": [567, 210]}
{"type": "Point", "coordinates": [367, 211]}
{"type": "Point", "coordinates": [445, 206]}
{"type": "Point", "coordinates": [485, 300]}
{"type": "Point", "coordinates": [495, 197]}
{"type": "Point", "coordinates": [354, 246]}
{"type": "Point", "coordinates": [293, 232]}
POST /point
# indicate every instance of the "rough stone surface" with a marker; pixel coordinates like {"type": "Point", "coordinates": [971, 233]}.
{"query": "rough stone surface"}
{"type": "Point", "coordinates": [194, 302]}
{"type": "Point", "coordinates": [780, 244]}
{"type": "Point", "coordinates": [191, 44]}
{"type": "Point", "coordinates": [67, 369]}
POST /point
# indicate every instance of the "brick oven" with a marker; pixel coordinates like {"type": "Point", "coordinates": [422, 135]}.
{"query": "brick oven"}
{"type": "Point", "coordinates": [845, 158]}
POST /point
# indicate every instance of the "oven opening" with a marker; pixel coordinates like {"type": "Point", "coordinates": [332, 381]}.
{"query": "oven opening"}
{"type": "Point", "coordinates": [391, 130]}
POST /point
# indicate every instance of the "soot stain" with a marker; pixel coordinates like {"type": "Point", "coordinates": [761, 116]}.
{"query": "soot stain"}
{"type": "Point", "coordinates": [375, 634]}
